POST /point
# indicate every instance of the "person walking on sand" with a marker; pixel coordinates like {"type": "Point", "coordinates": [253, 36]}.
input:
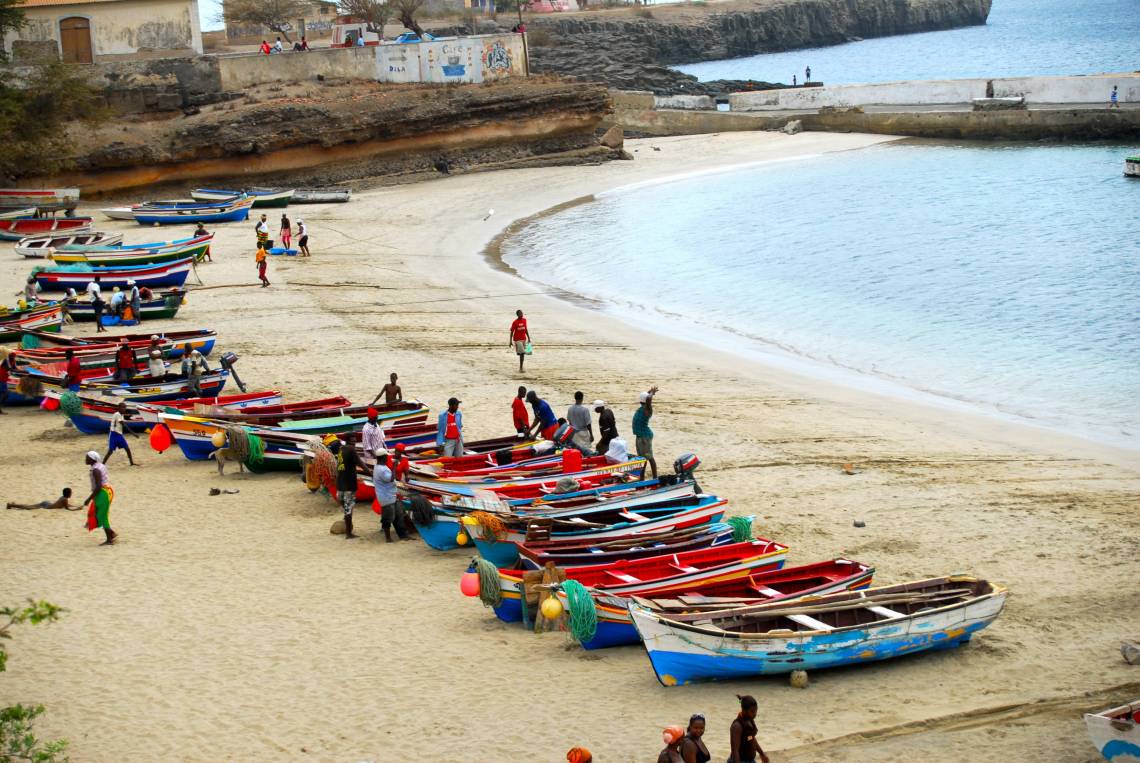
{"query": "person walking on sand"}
{"type": "Point", "coordinates": [545, 422]}
{"type": "Point", "coordinates": [520, 337]}
{"type": "Point", "coordinates": [302, 237]}
{"type": "Point", "coordinates": [372, 438]}
{"type": "Point", "coordinates": [742, 734]}
{"type": "Point", "coordinates": [124, 362]}
{"type": "Point", "coordinates": [102, 495]}
{"type": "Point", "coordinates": [578, 416]}
{"type": "Point", "coordinates": [449, 430]}
{"type": "Point", "coordinates": [643, 435]}
{"type": "Point", "coordinates": [391, 392]}
{"type": "Point", "coordinates": [1114, 99]}
{"type": "Point", "coordinates": [286, 232]}
{"type": "Point", "coordinates": [607, 425]}
{"type": "Point", "coordinates": [346, 462]}
{"type": "Point", "coordinates": [672, 736]}
{"type": "Point", "coordinates": [116, 438]}
{"type": "Point", "coordinates": [261, 258]}
{"type": "Point", "coordinates": [63, 502]}
{"type": "Point", "coordinates": [519, 416]}
{"type": "Point", "coordinates": [384, 480]}
{"type": "Point", "coordinates": [693, 748]}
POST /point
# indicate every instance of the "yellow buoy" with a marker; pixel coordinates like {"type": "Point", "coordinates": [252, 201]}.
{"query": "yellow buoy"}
{"type": "Point", "coordinates": [469, 521]}
{"type": "Point", "coordinates": [218, 439]}
{"type": "Point", "coordinates": [552, 608]}
{"type": "Point", "coordinates": [461, 538]}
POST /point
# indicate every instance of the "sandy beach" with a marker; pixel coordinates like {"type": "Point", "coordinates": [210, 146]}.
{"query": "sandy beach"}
{"type": "Point", "coordinates": [236, 627]}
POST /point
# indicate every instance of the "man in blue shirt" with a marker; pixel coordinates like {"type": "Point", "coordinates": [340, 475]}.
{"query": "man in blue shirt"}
{"type": "Point", "coordinates": [391, 512]}
{"type": "Point", "coordinates": [642, 433]}
{"type": "Point", "coordinates": [544, 419]}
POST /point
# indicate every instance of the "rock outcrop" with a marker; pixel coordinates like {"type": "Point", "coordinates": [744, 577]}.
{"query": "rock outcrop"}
{"type": "Point", "coordinates": [633, 53]}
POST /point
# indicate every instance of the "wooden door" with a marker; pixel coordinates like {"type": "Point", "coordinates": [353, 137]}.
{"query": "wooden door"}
{"type": "Point", "coordinates": [75, 39]}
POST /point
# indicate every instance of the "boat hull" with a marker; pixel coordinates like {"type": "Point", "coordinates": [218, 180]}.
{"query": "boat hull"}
{"type": "Point", "coordinates": [1114, 734]}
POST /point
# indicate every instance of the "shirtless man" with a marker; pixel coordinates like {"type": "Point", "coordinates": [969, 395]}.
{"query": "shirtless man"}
{"type": "Point", "coordinates": [391, 392]}
{"type": "Point", "coordinates": [63, 502]}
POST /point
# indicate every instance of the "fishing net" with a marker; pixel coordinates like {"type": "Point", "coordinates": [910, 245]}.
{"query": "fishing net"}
{"type": "Point", "coordinates": [583, 620]}
{"type": "Point", "coordinates": [68, 267]}
{"type": "Point", "coordinates": [324, 465]}
{"type": "Point", "coordinates": [741, 528]}
{"type": "Point", "coordinates": [30, 387]}
{"type": "Point", "coordinates": [492, 527]}
{"type": "Point", "coordinates": [30, 342]}
{"type": "Point", "coordinates": [256, 449]}
{"type": "Point", "coordinates": [249, 448]}
{"type": "Point", "coordinates": [70, 404]}
{"type": "Point", "coordinates": [422, 512]}
{"type": "Point", "coordinates": [489, 591]}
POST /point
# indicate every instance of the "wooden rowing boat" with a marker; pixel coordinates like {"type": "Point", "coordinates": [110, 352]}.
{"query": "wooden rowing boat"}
{"type": "Point", "coordinates": [46, 246]}
{"type": "Point", "coordinates": [149, 276]}
{"type": "Point", "coordinates": [330, 195]}
{"type": "Point", "coordinates": [41, 318]}
{"type": "Point", "coordinates": [849, 628]}
{"type": "Point", "coordinates": [14, 230]}
{"type": "Point", "coordinates": [164, 306]}
{"type": "Point", "coordinates": [262, 198]}
{"type": "Point", "coordinates": [179, 213]}
{"type": "Point", "coordinates": [202, 340]}
{"type": "Point", "coordinates": [45, 200]}
{"type": "Point", "coordinates": [1116, 732]}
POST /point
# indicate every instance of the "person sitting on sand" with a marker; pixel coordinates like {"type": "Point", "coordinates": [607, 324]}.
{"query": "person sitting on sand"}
{"type": "Point", "coordinates": [63, 502]}
{"type": "Point", "coordinates": [102, 495]}
{"type": "Point", "coordinates": [579, 755]}
{"type": "Point", "coordinates": [693, 748]}
{"type": "Point", "coordinates": [391, 392]}
{"type": "Point", "coordinates": [742, 734]}
{"type": "Point", "coordinates": [672, 736]}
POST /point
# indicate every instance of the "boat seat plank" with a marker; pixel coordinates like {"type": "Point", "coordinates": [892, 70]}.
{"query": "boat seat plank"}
{"type": "Point", "coordinates": [766, 591]}
{"type": "Point", "coordinates": [890, 614]}
{"type": "Point", "coordinates": [633, 516]}
{"type": "Point", "coordinates": [623, 577]}
{"type": "Point", "coordinates": [810, 622]}
{"type": "Point", "coordinates": [683, 568]}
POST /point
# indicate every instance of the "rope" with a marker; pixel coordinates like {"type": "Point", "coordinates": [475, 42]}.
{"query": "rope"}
{"type": "Point", "coordinates": [324, 464]}
{"type": "Point", "coordinates": [70, 404]}
{"type": "Point", "coordinates": [741, 528]}
{"type": "Point", "coordinates": [583, 618]}
{"type": "Point", "coordinates": [490, 593]}
{"type": "Point", "coordinates": [493, 527]}
{"type": "Point", "coordinates": [30, 387]}
{"type": "Point", "coordinates": [30, 342]}
{"type": "Point", "coordinates": [238, 440]}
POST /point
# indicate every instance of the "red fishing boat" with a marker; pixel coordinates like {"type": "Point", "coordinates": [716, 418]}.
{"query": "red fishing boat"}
{"type": "Point", "coordinates": [14, 230]}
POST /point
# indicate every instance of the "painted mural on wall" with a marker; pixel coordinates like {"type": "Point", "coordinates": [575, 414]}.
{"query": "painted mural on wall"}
{"type": "Point", "coordinates": [497, 60]}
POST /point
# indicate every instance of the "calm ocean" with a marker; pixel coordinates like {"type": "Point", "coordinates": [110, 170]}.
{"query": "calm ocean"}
{"type": "Point", "coordinates": [1003, 276]}
{"type": "Point", "coordinates": [1022, 37]}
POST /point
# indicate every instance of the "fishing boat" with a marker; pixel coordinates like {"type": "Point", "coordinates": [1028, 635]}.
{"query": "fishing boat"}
{"type": "Point", "coordinates": [150, 276]}
{"type": "Point", "coordinates": [111, 258]}
{"type": "Point", "coordinates": [1116, 732]}
{"type": "Point", "coordinates": [42, 318]}
{"type": "Point", "coordinates": [657, 574]}
{"type": "Point", "coordinates": [156, 246]}
{"type": "Point", "coordinates": [101, 358]}
{"type": "Point", "coordinates": [163, 306]}
{"type": "Point", "coordinates": [144, 389]}
{"type": "Point", "coordinates": [202, 340]}
{"type": "Point", "coordinates": [118, 213]}
{"type": "Point", "coordinates": [45, 200]}
{"type": "Point", "coordinates": [12, 214]}
{"type": "Point", "coordinates": [330, 195]}
{"type": "Point", "coordinates": [24, 227]}
{"type": "Point", "coordinates": [537, 554]}
{"type": "Point", "coordinates": [261, 197]}
{"type": "Point", "coordinates": [178, 213]}
{"type": "Point", "coordinates": [98, 408]}
{"type": "Point", "coordinates": [46, 246]}
{"type": "Point", "coordinates": [611, 610]}
{"type": "Point", "coordinates": [1132, 167]}
{"type": "Point", "coordinates": [847, 628]}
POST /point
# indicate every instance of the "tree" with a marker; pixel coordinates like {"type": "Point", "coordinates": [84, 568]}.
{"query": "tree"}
{"type": "Point", "coordinates": [406, 11]}
{"type": "Point", "coordinates": [11, 19]}
{"type": "Point", "coordinates": [34, 115]}
{"type": "Point", "coordinates": [17, 740]}
{"type": "Point", "coordinates": [374, 13]}
{"type": "Point", "coordinates": [275, 15]}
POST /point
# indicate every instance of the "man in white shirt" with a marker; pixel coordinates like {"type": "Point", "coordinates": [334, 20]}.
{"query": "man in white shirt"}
{"type": "Point", "coordinates": [372, 438]}
{"type": "Point", "coordinates": [115, 439]}
{"type": "Point", "coordinates": [93, 289]}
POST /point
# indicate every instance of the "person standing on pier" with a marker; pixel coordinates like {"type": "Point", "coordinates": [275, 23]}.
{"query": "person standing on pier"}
{"type": "Point", "coordinates": [642, 433]}
{"type": "Point", "coordinates": [807, 74]}
{"type": "Point", "coordinates": [1113, 99]}
{"type": "Point", "coordinates": [520, 337]}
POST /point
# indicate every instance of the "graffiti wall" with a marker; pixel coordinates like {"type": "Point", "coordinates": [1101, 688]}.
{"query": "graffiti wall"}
{"type": "Point", "coordinates": [456, 59]}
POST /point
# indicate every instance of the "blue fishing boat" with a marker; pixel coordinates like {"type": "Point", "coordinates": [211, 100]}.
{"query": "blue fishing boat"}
{"type": "Point", "coordinates": [180, 213]}
{"type": "Point", "coordinates": [829, 631]}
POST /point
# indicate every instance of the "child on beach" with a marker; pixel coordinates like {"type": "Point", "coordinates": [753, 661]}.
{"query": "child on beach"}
{"type": "Point", "coordinates": [63, 502]}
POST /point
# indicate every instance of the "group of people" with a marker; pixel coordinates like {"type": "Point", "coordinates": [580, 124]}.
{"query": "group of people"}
{"type": "Point", "coordinates": [387, 469]}
{"type": "Point", "coordinates": [285, 233]}
{"type": "Point", "coordinates": [299, 46]}
{"type": "Point", "coordinates": [125, 305]}
{"type": "Point", "coordinates": [98, 503]}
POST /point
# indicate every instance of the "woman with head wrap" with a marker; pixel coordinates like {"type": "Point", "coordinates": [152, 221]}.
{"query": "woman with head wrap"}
{"type": "Point", "coordinates": [672, 736]}
{"type": "Point", "coordinates": [102, 494]}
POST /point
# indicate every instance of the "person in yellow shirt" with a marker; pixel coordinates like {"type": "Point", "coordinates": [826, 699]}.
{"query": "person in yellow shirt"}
{"type": "Point", "coordinates": [262, 262]}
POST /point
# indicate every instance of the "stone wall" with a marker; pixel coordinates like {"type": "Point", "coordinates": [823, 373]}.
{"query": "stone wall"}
{"type": "Point", "coordinates": [238, 72]}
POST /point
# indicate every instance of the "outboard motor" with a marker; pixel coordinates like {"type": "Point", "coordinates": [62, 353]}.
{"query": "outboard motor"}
{"type": "Point", "coordinates": [563, 435]}
{"type": "Point", "coordinates": [684, 467]}
{"type": "Point", "coordinates": [227, 361]}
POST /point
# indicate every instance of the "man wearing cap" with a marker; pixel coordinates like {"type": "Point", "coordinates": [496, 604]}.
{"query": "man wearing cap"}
{"type": "Point", "coordinates": [401, 463]}
{"type": "Point", "coordinates": [384, 481]}
{"type": "Point", "coordinates": [449, 430]}
{"type": "Point", "coordinates": [372, 438]}
{"type": "Point", "coordinates": [520, 336]}
{"type": "Point", "coordinates": [519, 415]}
{"type": "Point", "coordinates": [607, 425]}
{"type": "Point", "coordinates": [545, 422]}
{"type": "Point", "coordinates": [642, 433]}
{"type": "Point", "coordinates": [578, 416]}
{"type": "Point", "coordinates": [346, 462]}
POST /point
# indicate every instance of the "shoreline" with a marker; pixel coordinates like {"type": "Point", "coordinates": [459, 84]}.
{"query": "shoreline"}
{"type": "Point", "coordinates": [208, 605]}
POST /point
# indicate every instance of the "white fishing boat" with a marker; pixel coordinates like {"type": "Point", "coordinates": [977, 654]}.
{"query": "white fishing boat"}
{"type": "Point", "coordinates": [46, 246]}
{"type": "Point", "coordinates": [119, 213]}
{"type": "Point", "coordinates": [1116, 732]}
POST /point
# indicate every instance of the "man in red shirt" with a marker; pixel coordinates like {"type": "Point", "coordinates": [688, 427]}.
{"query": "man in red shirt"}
{"type": "Point", "coordinates": [124, 363]}
{"type": "Point", "coordinates": [6, 365]}
{"type": "Point", "coordinates": [519, 413]}
{"type": "Point", "coordinates": [71, 376]}
{"type": "Point", "coordinates": [520, 337]}
{"type": "Point", "coordinates": [402, 464]}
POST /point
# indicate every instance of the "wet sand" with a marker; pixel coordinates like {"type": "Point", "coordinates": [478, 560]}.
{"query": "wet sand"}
{"type": "Point", "coordinates": [236, 627]}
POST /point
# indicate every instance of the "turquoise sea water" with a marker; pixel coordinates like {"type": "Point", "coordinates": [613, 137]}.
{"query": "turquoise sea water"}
{"type": "Point", "coordinates": [1004, 276]}
{"type": "Point", "coordinates": [1021, 38]}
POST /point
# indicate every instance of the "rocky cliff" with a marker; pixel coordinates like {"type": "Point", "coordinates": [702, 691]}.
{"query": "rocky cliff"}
{"type": "Point", "coordinates": [338, 131]}
{"type": "Point", "coordinates": [633, 51]}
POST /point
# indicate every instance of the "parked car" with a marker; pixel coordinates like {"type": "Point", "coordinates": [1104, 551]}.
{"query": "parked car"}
{"type": "Point", "coordinates": [413, 37]}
